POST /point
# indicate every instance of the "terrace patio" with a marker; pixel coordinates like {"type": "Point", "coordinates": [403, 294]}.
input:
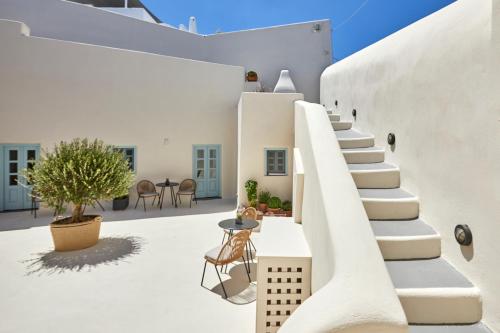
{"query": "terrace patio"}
{"type": "Point", "coordinates": [144, 274]}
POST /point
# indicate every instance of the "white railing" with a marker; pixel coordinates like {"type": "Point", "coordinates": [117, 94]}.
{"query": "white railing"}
{"type": "Point", "coordinates": [352, 291]}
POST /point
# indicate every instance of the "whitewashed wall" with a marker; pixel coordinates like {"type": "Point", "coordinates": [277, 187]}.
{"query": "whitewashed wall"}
{"type": "Point", "coordinates": [436, 84]}
{"type": "Point", "coordinates": [54, 90]}
{"type": "Point", "coordinates": [266, 50]}
{"type": "Point", "coordinates": [265, 121]}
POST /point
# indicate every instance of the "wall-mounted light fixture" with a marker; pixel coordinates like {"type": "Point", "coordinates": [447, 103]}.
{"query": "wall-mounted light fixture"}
{"type": "Point", "coordinates": [354, 113]}
{"type": "Point", "coordinates": [463, 235]}
{"type": "Point", "coordinates": [317, 27]}
{"type": "Point", "coordinates": [391, 138]}
{"type": "Point", "coordinates": [336, 103]}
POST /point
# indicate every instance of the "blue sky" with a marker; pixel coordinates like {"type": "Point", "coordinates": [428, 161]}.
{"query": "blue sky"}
{"type": "Point", "coordinates": [356, 23]}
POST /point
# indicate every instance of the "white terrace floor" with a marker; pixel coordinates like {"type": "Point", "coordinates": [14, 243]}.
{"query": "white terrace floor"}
{"type": "Point", "coordinates": [143, 275]}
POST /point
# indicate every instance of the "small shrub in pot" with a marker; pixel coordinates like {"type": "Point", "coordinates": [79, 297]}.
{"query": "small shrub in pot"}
{"type": "Point", "coordinates": [264, 197]}
{"type": "Point", "coordinates": [274, 205]}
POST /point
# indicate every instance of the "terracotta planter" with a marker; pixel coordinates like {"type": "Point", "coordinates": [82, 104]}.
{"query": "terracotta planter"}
{"type": "Point", "coordinates": [263, 207]}
{"type": "Point", "coordinates": [76, 236]}
{"type": "Point", "coordinates": [274, 210]}
{"type": "Point", "coordinates": [252, 78]}
{"type": "Point", "coordinates": [288, 213]}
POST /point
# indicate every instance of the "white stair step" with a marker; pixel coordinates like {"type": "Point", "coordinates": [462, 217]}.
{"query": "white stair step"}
{"type": "Point", "coordinates": [334, 117]}
{"type": "Point", "coordinates": [375, 175]}
{"type": "Point", "coordinates": [474, 328]}
{"type": "Point", "coordinates": [354, 139]}
{"type": "Point", "coordinates": [406, 239]}
{"type": "Point", "coordinates": [341, 125]}
{"type": "Point", "coordinates": [389, 204]}
{"type": "Point", "coordinates": [364, 155]}
{"type": "Point", "coordinates": [433, 292]}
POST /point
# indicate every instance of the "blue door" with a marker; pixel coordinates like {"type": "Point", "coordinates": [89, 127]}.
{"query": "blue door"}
{"type": "Point", "coordinates": [206, 170]}
{"type": "Point", "coordinates": [14, 190]}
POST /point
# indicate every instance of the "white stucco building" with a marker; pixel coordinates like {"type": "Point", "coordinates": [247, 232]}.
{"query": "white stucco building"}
{"type": "Point", "coordinates": [377, 233]}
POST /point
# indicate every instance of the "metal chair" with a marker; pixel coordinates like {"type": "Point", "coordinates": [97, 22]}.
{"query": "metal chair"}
{"type": "Point", "coordinates": [146, 189]}
{"type": "Point", "coordinates": [35, 201]}
{"type": "Point", "coordinates": [232, 250]}
{"type": "Point", "coordinates": [187, 187]}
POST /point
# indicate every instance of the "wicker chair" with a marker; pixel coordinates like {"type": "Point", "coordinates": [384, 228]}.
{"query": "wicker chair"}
{"type": "Point", "coordinates": [232, 250]}
{"type": "Point", "coordinates": [187, 187]}
{"type": "Point", "coordinates": [146, 189]}
{"type": "Point", "coordinates": [249, 213]}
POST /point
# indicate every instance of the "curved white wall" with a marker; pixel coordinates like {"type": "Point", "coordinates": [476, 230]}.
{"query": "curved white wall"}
{"type": "Point", "coordinates": [435, 84]}
{"type": "Point", "coordinates": [267, 50]}
{"type": "Point", "coordinates": [352, 291]}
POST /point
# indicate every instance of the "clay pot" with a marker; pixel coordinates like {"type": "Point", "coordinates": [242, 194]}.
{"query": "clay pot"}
{"type": "Point", "coordinates": [76, 236]}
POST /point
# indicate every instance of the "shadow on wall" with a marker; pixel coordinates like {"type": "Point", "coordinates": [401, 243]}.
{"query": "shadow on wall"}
{"type": "Point", "coordinates": [109, 250]}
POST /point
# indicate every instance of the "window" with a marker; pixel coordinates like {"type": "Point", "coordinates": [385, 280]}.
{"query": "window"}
{"type": "Point", "coordinates": [276, 162]}
{"type": "Point", "coordinates": [129, 154]}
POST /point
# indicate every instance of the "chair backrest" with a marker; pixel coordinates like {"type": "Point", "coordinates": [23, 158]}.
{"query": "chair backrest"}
{"type": "Point", "coordinates": [233, 249]}
{"type": "Point", "coordinates": [188, 185]}
{"type": "Point", "coordinates": [249, 213]}
{"type": "Point", "coordinates": [145, 186]}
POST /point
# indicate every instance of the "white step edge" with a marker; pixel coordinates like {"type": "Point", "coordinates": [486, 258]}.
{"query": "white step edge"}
{"type": "Point", "coordinates": [334, 117]}
{"type": "Point", "coordinates": [441, 305]}
{"type": "Point", "coordinates": [359, 142]}
{"type": "Point", "coordinates": [377, 178]}
{"type": "Point", "coordinates": [361, 156]}
{"type": "Point", "coordinates": [341, 125]}
{"type": "Point", "coordinates": [391, 208]}
{"type": "Point", "coordinates": [409, 247]}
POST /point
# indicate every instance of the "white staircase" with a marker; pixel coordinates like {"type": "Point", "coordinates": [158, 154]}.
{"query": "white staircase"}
{"type": "Point", "coordinates": [435, 296]}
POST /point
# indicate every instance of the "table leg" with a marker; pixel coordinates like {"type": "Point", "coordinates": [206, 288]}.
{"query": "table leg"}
{"type": "Point", "coordinates": [175, 198]}
{"type": "Point", "coordinates": [162, 195]}
{"type": "Point", "coordinates": [172, 194]}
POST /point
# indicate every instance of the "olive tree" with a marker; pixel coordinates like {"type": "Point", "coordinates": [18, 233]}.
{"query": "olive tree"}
{"type": "Point", "coordinates": [80, 172]}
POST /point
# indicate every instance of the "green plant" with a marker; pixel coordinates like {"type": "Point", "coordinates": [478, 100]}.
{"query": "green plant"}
{"type": "Point", "coordinates": [253, 203]}
{"type": "Point", "coordinates": [287, 205]}
{"type": "Point", "coordinates": [274, 203]}
{"type": "Point", "coordinates": [251, 189]}
{"type": "Point", "coordinates": [80, 172]}
{"type": "Point", "coordinates": [251, 73]}
{"type": "Point", "coordinates": [264, 197]}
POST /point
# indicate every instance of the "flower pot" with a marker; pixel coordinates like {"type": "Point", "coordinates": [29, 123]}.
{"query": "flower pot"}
{"type": "Point", "coordinates": [288, 213]}
{"type": "Point", "coordinates": [263, 207]}
{"type": "Point", "coordinates": [274, 210]}
{"type": "Point", "coordinates": [120, 203]}
{"type": "Point", "coordinates": [75, 236]}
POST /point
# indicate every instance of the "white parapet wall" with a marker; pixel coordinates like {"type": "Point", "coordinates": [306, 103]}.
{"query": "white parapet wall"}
{"type": "Point", "coordinates": [54, 90]}
{"type": "Point", "coordinates": [265, 121]}
{"type": "Point", "coordinates": [435, 85]}
{"type": "Point", "coordinates": [351, 289]}
{"type": "Point", "coordinates": [265, 50]}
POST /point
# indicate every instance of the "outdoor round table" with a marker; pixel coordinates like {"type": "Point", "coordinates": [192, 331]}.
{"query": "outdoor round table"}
{"type": "Point", "coordinates": [231, 225]}
{"type": "Point", "coordinates": [162, 192]}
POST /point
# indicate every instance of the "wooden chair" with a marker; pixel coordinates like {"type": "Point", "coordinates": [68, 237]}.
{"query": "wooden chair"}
{"type": "Point", "coordinates": [146, 189]}
{"type": "Point", "coordinates": [229, 252]}
{"type": "Point", "coordinates": [187, 187]}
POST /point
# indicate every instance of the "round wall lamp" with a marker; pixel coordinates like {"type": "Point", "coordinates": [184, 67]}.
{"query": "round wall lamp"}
{"type": "Point", "coordinates": [463, 235]}
{"type": "Point", "coordinates": [391, 139]}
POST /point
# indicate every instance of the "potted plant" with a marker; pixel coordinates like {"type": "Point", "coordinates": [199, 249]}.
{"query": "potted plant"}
{"type": "Point", "coordinates": [264, 197]}
{"type": "Point", "coordinates": [79, 173]}
{"type": "Point", "coordinates": [274, 205]}
{"type": "Point", "coordinates": [121, 203]}
{"type": "Point", "coordinates": [252, 76]}
{"type": "Point", "coordinates": [251, 189]}
{"type": "Point", "coordinates": [287, 208]}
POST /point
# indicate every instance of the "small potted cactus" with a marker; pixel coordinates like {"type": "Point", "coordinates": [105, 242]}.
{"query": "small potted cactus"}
{"type": "Point", "coordinates": [264, 197]}
{"type": "Point", "coordinates": [287, 208]}
{"type": "Point", "coordinates": [274, 205]}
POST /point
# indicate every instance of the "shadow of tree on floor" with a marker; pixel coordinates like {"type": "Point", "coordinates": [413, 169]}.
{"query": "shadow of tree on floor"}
{"type": "Point", "coordinates": [109, 250]}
